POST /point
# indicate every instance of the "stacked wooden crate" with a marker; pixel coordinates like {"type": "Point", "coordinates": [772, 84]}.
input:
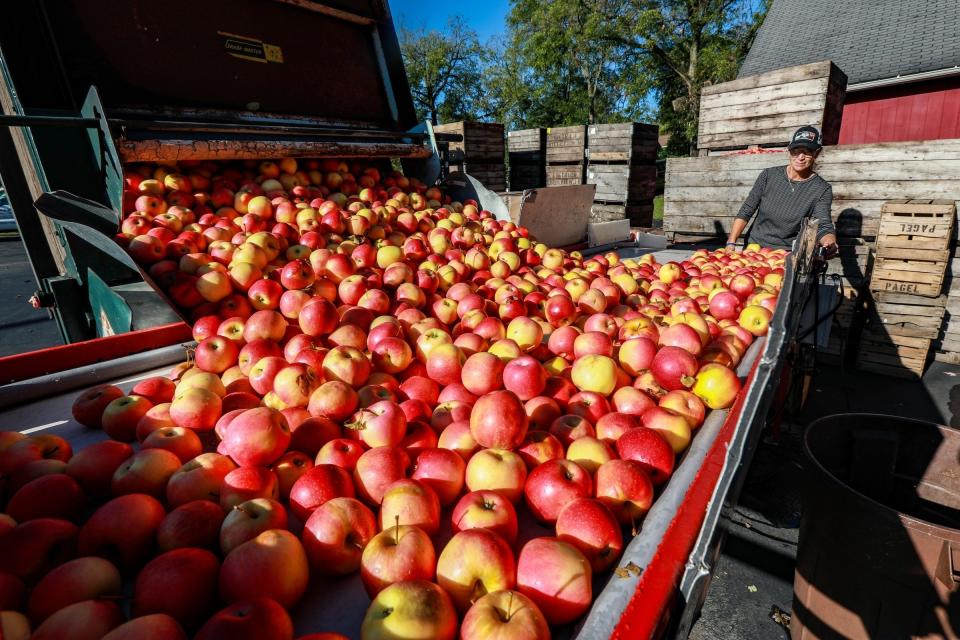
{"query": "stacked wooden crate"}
{"type": "Point", "coordinates": [566, 155]}
{"type": "Point", "coordinates": [482, 151]}
{"type": "Point", "coordinates": [947, 345]}
{"type": "Point", "coordinates": [526, 152]}
{"type": "Point", "coordinates": [622, 163]}
{"type": "Point", "coordinates": [913, 248]}
{"type": "Point", "coordinates": [765, 109]}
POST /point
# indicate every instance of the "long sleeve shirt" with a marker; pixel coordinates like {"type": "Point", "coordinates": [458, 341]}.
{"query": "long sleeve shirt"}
{"type": "Point", "coordinates": [780, 206]}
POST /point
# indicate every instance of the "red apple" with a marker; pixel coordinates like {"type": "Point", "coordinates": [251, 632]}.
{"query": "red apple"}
{"type": "Point", "coordinates": [486, 510]}
{"type": "Point", "coordinates": [271, 565]}
{"type": "Point", "coordinates": [557, 577]}
{"type": "Point", "coordinates": [625, 488]}
{"type": "Point", "coordinates": [256, 619]}
{"type": "Point", "coordinates": [651, 450]}
{"type": "Point", "coordinates": [181, 583]}
{"type": "Point", "coordinates": [554, 484]}
{"type": "Point", "coordinates": [475, 561]}
{"type": "Point", "coordinates": [589, 526]}
{"type": "Point", "coordinates": [400, 552]}
{"type": "Point", "coordinates": [317, 486]}
{"type": "Point", "coordinates": [498, 420]}
{"type": "Point", "coordinates": [335, 535]}
{"type": "Point", "coordinates": [194, 524]}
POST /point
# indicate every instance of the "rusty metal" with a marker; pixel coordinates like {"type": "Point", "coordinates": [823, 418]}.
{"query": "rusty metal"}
{"type": "Point", "coordinates": [879, 549]}
{"type": "Point", "coordinates": [191, 149]}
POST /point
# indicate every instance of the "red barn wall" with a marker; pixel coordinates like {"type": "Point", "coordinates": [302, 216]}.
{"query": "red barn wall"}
{"type": "Point", "coordinates": [917, 111]}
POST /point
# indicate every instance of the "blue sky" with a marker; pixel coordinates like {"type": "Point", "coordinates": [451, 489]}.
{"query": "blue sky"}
{"type": "Point", "coordinates": [487, 17]}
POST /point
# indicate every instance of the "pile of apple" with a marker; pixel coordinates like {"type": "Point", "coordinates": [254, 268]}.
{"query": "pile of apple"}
{"type": "Point", "coordinates": [385, 382]}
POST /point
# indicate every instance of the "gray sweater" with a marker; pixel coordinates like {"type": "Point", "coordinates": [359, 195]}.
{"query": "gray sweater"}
{"type": "Point", "coordinates": [781, 205]}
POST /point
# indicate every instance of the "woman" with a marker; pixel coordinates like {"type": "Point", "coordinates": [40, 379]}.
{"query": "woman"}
{"type": "Point", "coordinates": [783, 197]}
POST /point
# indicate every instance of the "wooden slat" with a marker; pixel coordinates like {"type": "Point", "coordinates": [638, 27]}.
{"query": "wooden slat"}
{"type": "Point", "coordinates": [821, 69]}
{"type": "Point", "coordinates": [777, 121]}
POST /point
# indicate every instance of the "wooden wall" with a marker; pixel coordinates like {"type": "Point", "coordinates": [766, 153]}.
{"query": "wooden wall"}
{"type": "Point", "coordinates": [702, 195]}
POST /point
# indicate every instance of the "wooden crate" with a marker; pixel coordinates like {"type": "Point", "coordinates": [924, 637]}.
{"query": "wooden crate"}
{"type": "Point", "coordinates": [638, 215]}
{"type": "Point", "coordinates": [527, 140]}
{"type": "Point", "coordinates": [701, 194]}
{"type": "Point", "coordinates": [766, 109]}
{"type": "Point", "coordinates": [915, 277]}
{"type": "Point", "coordinates": [482, 141]}
{"type": "Point", "coordinates": [629, 143]}
{"type": "Point", "coordinates": [916, 229]}
{"type": "Point", "coordinates": [526, 152]}
{"type": "Point", "coordinates": [622, 183]}
{"type": "Point", "coordinates": [905, 315]}
{"type": "Point", "coordinates": [560, 175]}
{"type": "Point", "coordinates": [492, 175]}
{"type": "Point", "coordinates": [566, 145]}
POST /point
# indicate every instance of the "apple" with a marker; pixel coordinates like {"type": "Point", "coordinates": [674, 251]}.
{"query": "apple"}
{"type": "Point", "coordinates": [120, 417]}
{"type": "Point", "coordinates": [196, 408]}
{"type": "Point", "coordinates": [382, 424]}
{"type": "Point", "coordinates": [588, 404]}
{"type": "Point", "coordinates": [674, 368]}
{"type": "Point", "coordinates": [289, 468]}
{"type": "Point", "coordinates": [568, 428]}
{"type": "Point", "coordinates": [181, 583]}
{"type": "Point", "coordinates": [475, 562]}
{"type": "Point", "coordinates": [194, 524]}
{"type": "Point", "coordinates": [504, 615]}
{"type": "Point", "coordinates": [156, 626]}
{"type": "Point", "coordinates": [497, 470]}
{"type": "Point", "coordinates": [651, 449]}
{"type": "Point", "coordinates": [671, 425]}
{"type": "Point", "coordinates": [249, 519]}
{"type": "Point", "coordinates": [525, 377]}
{"type": "Point", "coordinates": [257, 437]}
{"type": "Point", "coordinates": [146, 471]}
{"type": "Point", "coordinates": [552, 485]}
{"type": "Point", "coordinates": [442, 470]}
{"type": "Point", "coordinates": [216, 354]}
{"type": "Point", "coordinates": [183, 443]}
{"type": "Point", "coordinates": [199, 479]}
{"type": "Point", "coordinates": [156, 389]}
{"type": "Point", "coordinates": [686, 404]}
{"type": "Point", "coordinates": [557, 577]}
{"type": "Point", "coordinates": [294, 384]}
{"type": "Point", "coordinates": [410, 609]}
{"type": "Point", "coordinates": [613, 425]}
{"type": "Point", "coordinates": [716, 385]}
{"type": "Point", "coordinates": [123, 530]}
{"type": "Point", "coordinates": [589, 525]}
{"type": "Point", "coordinates": [247, 483]}
{"type": "Point", "coordinates": [335, 535]}
{"type": "Point", "coordinates": [81, 579]}
{"type": "Point", "coordinates": [498, 420]}
{"type": "Point", "coordinates": [410, 502]}
{"type": "Point", "coordinates": [319, 485]}
{"type": "Point", "coordinates": [541, 412]}
{"type": "Point", "coordinates": [314, 432]}
{"type": "Point", "coordinates": [255, 619]}
{"type": "Point", "coordinates": [486, 510]}
{"type": "Point", "coordinates": [378, 468]}
{"type": "Point", "coordinates": [334, 399]}
{"type": "Point", "coordinates": [625, 488]}
{"type": "Point", "coordinates": [631, 401]}
{"type": "Point", "coordinates": [86, 620]}
{"type": "Point", "coordinates": [755, 319]}
{"type": "Point", "coordinates": [49, 496]}
{"type": "Point", "coordinates": [348, 365]}
{"type": "Point", "coordinates": [271, 565]}
{"type": "Point", "coordinates": [398, 553]}
{"type": "Point", "coordinates": [341, 452]}
{"type": "Point", "coordinates": [589, 453]}
{"type": "Point", "coordinates": [89, 406]}
{"type": "Point", "coordinates": [636, 355]}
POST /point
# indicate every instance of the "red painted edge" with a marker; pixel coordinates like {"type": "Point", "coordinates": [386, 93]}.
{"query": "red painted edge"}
{"type": "Point", "coordinates": [647, 613]}
{"type": "Point", "coordinates": [31, 364]}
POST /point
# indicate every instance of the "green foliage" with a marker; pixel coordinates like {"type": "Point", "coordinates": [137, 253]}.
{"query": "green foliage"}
{"type": "Point", "coordinates": [565, 62]}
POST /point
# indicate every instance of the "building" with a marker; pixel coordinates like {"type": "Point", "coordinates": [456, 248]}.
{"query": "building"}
{"type": "Point", "coordinates": [901, 58]}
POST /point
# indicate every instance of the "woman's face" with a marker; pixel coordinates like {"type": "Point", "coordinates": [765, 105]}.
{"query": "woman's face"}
{"type": "Point", "coordinates": [802, 159]}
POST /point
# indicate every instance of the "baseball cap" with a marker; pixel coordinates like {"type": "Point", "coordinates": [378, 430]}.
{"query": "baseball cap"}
{"type": "Point", "coordinates": [807, 137]}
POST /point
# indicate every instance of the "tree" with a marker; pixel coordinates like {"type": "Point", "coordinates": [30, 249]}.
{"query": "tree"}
{"type": "Point", "coordinates": [681, 46]}
{"type": "Point", "coordinates": [444, 70]}
{"type": "Point", "coordinates": [569, 70]}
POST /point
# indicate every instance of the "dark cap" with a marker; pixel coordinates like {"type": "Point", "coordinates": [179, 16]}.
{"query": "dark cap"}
{"type": "Point", "coordinates": [807, 138]}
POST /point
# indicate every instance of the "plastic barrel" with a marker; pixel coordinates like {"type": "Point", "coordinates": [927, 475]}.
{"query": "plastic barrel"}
{"type": "Point", "coordinates": [879, 545]}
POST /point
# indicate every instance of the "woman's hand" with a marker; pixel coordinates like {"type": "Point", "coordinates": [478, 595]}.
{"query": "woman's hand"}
{"type": "Point", "coordinates": [829, 244]}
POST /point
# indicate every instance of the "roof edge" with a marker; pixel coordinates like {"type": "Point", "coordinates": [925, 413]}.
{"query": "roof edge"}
{"type": "Point", "coordinates": [904, 79]}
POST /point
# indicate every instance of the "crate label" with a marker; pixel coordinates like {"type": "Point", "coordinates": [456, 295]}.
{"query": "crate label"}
{"type": "Point", "coordinates": [916, 227]}
{"type": "Point", "coordinates": [251, 49]}
{"type": "Point", "coordinates": [900, 287]}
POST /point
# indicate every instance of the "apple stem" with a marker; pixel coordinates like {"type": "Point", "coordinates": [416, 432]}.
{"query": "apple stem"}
{"type": "Point", "coordinates": [396, 529]}
{"type": "Point", "coordinates": [633, 525]}
{"type": "Point", "coordinates": [510, 607]}
{"type": "Point", "coordinates": [355, 426]}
